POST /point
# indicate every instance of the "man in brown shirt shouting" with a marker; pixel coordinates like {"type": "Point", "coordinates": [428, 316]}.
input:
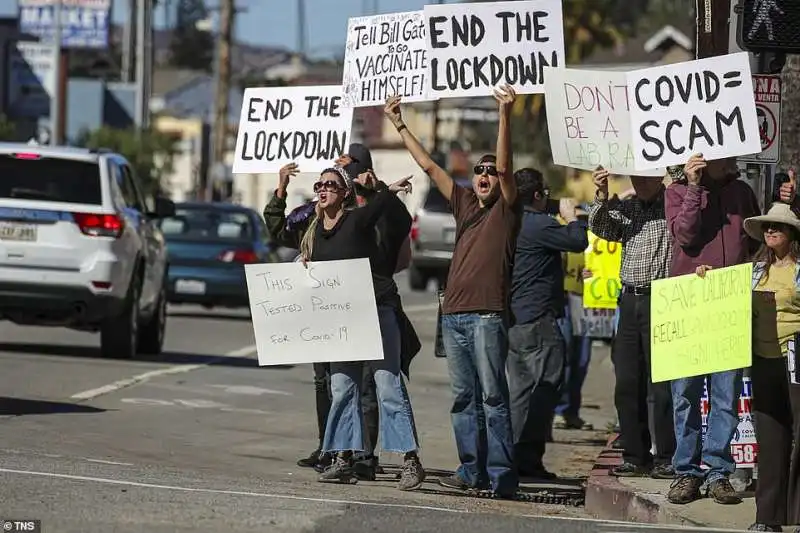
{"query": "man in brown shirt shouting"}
{"type": "Point", "coordinates": [474, 311]}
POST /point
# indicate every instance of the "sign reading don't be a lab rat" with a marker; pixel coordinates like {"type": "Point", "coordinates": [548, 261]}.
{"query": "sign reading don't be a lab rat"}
{"type": "Point", "coordinates": [320, 313]}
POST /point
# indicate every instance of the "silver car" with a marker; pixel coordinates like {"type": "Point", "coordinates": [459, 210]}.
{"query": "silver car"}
{"type": "Point", "coordinates": [432, 239]}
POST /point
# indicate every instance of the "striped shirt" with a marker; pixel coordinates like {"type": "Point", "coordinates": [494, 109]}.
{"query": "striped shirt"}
{"type": "Point", "coordinates": [641, 227]}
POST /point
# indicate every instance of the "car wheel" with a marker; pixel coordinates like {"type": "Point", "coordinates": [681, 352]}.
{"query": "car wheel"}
{"type": "Point", "coordinates": [417, 279]}
{"type": "Point", "coordinates": [119, 336]}
{"type": "Point", "coordinates": [151, 333]}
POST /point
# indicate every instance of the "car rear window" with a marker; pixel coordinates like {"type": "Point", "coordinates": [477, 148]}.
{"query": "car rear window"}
{"type": "Point", "coordinates": [196, 223]}
{"type": "Point", "coordinates": [50, 179]}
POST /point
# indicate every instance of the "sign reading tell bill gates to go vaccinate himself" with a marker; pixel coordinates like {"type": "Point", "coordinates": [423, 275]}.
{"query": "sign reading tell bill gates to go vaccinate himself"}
{"type": "Point", "coordinates": [475, 47]}
{"type": "Point", "coordinates": [700, 326]}
{"type": "Point", "coordinates": [278, 125]}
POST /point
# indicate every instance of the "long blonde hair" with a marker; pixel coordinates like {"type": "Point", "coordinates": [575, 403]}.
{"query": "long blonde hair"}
{"type": "Point", "coordinates": [349, 203]}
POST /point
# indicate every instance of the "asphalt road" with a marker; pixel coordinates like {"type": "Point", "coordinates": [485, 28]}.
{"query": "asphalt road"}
{"type": "Point", "coordinates": [203, 440]}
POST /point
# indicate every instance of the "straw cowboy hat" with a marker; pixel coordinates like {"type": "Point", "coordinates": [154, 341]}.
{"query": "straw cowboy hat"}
{"type": "Point", "coordinates": [779, 213]}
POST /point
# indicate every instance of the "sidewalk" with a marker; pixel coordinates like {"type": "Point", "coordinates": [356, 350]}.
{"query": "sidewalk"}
{"type": "Point", "coordinates": [644, 500]}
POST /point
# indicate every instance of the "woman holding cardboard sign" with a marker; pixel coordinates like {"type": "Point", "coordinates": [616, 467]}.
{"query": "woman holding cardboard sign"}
{"type": "Point", "coordinates": [336, 231]}
{"type": "Point", "coordinates": [776, 392]}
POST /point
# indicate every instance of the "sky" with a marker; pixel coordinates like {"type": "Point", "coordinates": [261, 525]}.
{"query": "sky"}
{"type": "Point", "coordinates": [274, 22]}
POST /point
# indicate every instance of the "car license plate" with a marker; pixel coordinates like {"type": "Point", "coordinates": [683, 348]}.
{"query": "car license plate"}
{"type": "Point", "coordinates": [450, 236]}
{"type": "Point", "coordinates": [10, 231]}
{"type": "Point", "coordinates": [190, 286]}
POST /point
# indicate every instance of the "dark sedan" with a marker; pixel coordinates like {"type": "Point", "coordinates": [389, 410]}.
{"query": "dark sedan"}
{"type": "Point", "coordinates": [208, 246]}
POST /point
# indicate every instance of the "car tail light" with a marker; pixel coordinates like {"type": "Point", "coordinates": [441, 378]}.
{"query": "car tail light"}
{"type": "Point", "coordinates": [414, 229]}
{"type": "Point", "coordinates": [24, 155]}
{"type": "Point", "coordinates": [99, 225]}
{"type": "Point", "coordinates": [238, 256]}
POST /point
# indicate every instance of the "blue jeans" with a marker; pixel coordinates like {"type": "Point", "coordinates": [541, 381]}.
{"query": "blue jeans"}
{"type": "Point", "coordinates": [345, 429]}
{"type": "Point", "coordinates": [723, 419]}
{"type": "Point", "coordinates": [477, 347]}
{"type": "Point", "coordinates": [579, 354]}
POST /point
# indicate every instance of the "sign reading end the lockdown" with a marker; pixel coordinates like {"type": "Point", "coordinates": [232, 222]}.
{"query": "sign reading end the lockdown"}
{"type": "Point", "coordinates": [321, 314]}
{"type": "Point", "coordinates": [701, 325]}
{"type": "Point", "coordinates": [278, 125]}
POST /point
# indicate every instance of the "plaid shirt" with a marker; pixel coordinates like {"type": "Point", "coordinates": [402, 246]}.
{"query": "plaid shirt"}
{"type": "Point", "coordinates": [642, 229]}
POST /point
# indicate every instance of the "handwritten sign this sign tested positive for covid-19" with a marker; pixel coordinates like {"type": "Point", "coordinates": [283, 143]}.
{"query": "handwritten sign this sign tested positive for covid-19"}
{"type": "Point", "coordinates": [320, 314]}
{"type": "Point", "coordinates": [701, 325]}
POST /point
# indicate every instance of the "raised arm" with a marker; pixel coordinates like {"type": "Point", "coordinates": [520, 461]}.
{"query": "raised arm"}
{"type": "Point", "coordinates": [505, 165]}
{"type": "Point", "coordinates": [275, 211]}
{"type": "Point", "coordinates": [442, 180]}
{"type": "Point", "coordinates": [607, 218]}
{"type": "Point", "coordinates": [683, 210]}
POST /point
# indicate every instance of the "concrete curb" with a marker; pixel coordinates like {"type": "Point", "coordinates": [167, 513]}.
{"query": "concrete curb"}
{"type": "Point", "coordinates": [608, 499]}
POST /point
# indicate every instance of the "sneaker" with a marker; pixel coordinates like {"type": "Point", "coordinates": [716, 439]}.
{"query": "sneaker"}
{"type": "Point", "coordinates": [685, 489]}
{"type": "Point", "coordinates": [630, 470]}
{"type": "Point", "coordinates": [571, 422]}
{"type": "Point", "coordinates": [366, 468]}
{"type": "Point", "coordinates": [663, 471]}
{"type": "Point", "coordinates": [325, 460]}
{"type": "Point", "coordinates": [411, 475]}
{"type": "Point", "coordinates": [764, 527]}
{"type": "Point", "coordinates": [341, 471]}
{"type": "Point", "coordinates": [723, 492]}
{"type": "Point", "coordinates": [454, 482]}
{"type": "Point", "coordinates": [311, 460]}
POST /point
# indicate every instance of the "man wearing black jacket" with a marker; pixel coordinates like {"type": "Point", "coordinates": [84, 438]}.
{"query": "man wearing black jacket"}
{"type": "Point", "coordinates": [537, 352]}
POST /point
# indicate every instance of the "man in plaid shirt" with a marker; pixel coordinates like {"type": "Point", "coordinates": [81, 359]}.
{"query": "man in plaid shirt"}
{"type": "Point", "coordinates": [640, 224]}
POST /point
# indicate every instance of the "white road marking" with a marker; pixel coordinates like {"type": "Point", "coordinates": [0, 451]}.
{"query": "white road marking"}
{"type": "Point", "coordinates": [156, 486]}
{"type": "Point", "coordinates": [104, 462]}
{"type": "Point", "coordinates": [141, 378]}
{"type": "Point", "coordinates": [250, 391]}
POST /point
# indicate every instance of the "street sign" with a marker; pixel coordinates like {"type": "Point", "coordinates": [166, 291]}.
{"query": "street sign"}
{"type": "Point", "coordinates": [31, 82]}
{"type": "Point", "coordinates": [770, 26]}
{"type": "Point", "coordinates": [767, 91]}
{"type": "Point", "coordinates": [85, 23]}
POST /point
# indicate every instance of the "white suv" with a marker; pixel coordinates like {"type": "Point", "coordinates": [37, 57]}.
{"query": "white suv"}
{"type": "Point", "coordinates": [80, 248]}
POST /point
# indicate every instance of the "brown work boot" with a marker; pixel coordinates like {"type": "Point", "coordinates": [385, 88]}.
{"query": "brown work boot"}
{"type": "Point", "coordinates": [723, 492]}
{"type": "Point", "coordinates": [685, 489]}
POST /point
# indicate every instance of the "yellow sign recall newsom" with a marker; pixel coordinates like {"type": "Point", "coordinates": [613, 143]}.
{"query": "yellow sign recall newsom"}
{"type": "Point", "coordinates": [699, 326]}
{"type": "Point", "coordinates": [603, 260]}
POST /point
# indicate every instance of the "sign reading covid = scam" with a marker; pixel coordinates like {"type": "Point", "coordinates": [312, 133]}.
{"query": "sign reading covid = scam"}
{"type": "Point", "coordinates": [475, 47]}
{"type": "Point", "coordinates": [603, 260]}
{"type": "Point", "coordinates": [84, 23]}
{"type": "Point", "coordinates": [278, 125]}
{"type": "Point", "coordinates": [767, 93]}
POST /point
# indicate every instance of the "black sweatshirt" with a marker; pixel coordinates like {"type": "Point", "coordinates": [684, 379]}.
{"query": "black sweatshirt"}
{"type": "Point", "coordinates": [354, 236]}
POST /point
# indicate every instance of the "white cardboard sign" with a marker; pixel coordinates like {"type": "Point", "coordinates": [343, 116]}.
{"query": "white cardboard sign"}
{"type": "Point", "coordinates": [280, 125]}
{"type": "Point", "coordinates": [475, 47]}
{"type": "Point", "coordinates": [589, 121]}
{"type": "Point", "coordinates": [320, 314]}
{"type": "Point", "coordinates": [704, 106]}
{"type": "Point", "coordinates": [385, 55]}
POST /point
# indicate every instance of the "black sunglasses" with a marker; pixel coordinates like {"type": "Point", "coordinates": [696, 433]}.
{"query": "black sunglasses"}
{"type": "Point", "coordinates": [488, 169]}
{"type": "Point", "coordinates": [775, 226]}
{"type": "Point", "coordinates": [328, 185]}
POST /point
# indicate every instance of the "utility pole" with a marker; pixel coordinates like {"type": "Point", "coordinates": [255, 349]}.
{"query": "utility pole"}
{"type": "Point", "coordinates": [57, 100]}
{"type": "Point", "coordinates": [222, 85]}
{"type": "Point", "coordinates": [128, 42]}
{"type": "Point", "coordinates": [144, 16]}
{"type": "Point", "coordinates": [301, 28]}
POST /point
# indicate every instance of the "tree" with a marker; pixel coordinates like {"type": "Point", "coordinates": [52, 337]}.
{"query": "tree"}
{"type": "Point", "coordinates": [151, 153]}
{"type": "Point", "coordinates": [191, 47]}
{"type": "Point", "coordinates": [790, 108]}
{"type": "Point", "coordinates": [588, 25]}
